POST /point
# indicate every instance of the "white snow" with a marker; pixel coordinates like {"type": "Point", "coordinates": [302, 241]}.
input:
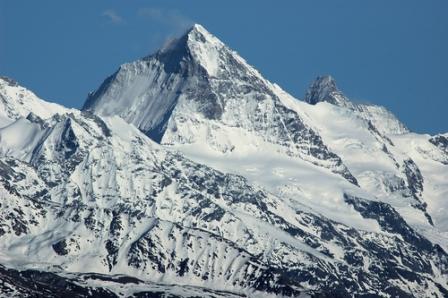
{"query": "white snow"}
{"type": "Point", "coordinates": [19, 102]}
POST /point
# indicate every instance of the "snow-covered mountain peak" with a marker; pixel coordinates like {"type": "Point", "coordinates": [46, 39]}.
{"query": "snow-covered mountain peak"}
{"type": "Point", "coordinates": [326, 81]}
{"type": "Point", "coordinates": [197, 46]}
{"type": "Point", "coordinates": [143, 92]}
{"type": "Point", "coordinates": [198, 28]}
{"type": "Point", "coordinates": [197, 33]}
{"type": "Point", "coordinates": [198, 91]}
{"type": "Point", "coordinates": [324, 89]}
{"type": "Point", "coordinates": [16, 101]}
{"type": "Point", "coordinates": [194, 66]}
{"type": "Point", "coordinates": [205, 48]}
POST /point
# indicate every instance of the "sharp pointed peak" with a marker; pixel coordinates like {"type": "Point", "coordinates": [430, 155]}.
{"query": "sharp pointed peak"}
{"type": "Point", "coordinates": [324, 88]}
{"type": "Point", "coordinates": [195, 35]}
{"type": "Point", "coordinates": [325, 81]}
{"type": "Point", "coordinates": [196, 44]}
{"type": "Point", "coordinates": [197, 28]}
{"type": "Point", "coordinates": [198, 34]}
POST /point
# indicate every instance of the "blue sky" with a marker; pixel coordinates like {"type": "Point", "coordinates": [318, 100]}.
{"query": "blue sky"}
{"type": "Point", "coordinates": [392, 53]}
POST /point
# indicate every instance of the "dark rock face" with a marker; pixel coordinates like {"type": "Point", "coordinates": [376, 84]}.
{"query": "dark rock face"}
{"type": "Point", "coordinates": [33, 283]}
{"type": "Point", "coordinates": [441, 142]}
{"type": "Point", "coordinates": [156, 133]}
{"type": "Point", "coordinates": [9, 81]}
{"type": "Point", "coordinates": [15, 216]}
{"type": "Point", "coordinates": [36, 119]}
{"type": "Point", "coordinates": [415, 185]}
{"type": "Point", "coordinates": [60, 247]}
{"type": "Point", "coordinates": [324, 89]}
{"type": "Point", "coordinates": [414, 177]}
{"type": "Point", "coordinates": [68, 144]}
{"type": "Point", "coordinates": [389, 220]}
{"type": "Point", "coordinates": [98, 121]}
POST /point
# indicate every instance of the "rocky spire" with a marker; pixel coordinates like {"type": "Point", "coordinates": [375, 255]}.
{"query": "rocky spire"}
{"type": "Point", "coordinates": [324, 89]}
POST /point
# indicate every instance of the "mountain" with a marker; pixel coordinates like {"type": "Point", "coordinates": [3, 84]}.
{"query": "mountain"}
{"type": "Point", "coordinates": [188, 174]}
{"type": "Point", "coordinates": [196, 90]}
{"type": "Point", "coordinates": [17, 101]}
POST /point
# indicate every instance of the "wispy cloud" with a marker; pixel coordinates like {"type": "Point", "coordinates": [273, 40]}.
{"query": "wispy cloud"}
{"type": "Point", "coordinates": [174, 19]}
{"type": "Point", "coordinates": [113, 17]}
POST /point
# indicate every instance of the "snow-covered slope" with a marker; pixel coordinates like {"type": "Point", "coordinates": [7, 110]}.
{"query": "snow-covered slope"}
{"type": "Point", "coordinates": [384, 165]}
{"type": "Point", "coordinates": [99, 196]}
{"type": "Point", "coordinates": [17, 101]}
{"type": "Point", "coordinates": [324, 89]}
{"type": "Point", "coordinates": [387, 159]}
{"type": "Point", "coordinates": [246, 191]}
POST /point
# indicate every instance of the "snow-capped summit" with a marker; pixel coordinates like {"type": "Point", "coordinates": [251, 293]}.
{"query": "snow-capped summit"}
{"type": "Point", "coordinates": [197, 67]}
{"type": "Point", "coordinates": [324, 89]}
{"type": "Point", "coordinates": [146, 91]}
{"type": "Point", "coordinates": [202, 46]}
{"type": "Point", "coordinates": [197, 45]}
{"type": "Point", "coordinates": [17, 101]}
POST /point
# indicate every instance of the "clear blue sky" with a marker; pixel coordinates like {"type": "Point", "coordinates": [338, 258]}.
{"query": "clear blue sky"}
{"type": "Point", "coordinates": [392, 53]}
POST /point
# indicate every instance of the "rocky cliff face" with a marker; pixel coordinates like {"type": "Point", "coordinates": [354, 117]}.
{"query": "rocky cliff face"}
{"type": "Point", "coordinates": [188, 173]}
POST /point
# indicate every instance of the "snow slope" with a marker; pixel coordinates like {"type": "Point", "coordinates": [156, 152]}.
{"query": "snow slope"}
{"type": "Point", "coordinates": [17, 101]}
{"type": "Point", "coordinates": [382, 163]}
{"type": "Point", "coordinates": [99, 196]}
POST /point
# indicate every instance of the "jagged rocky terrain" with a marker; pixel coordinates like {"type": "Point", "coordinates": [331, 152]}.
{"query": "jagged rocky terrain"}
{"type": "Point", "coordinates": [188, 174]}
